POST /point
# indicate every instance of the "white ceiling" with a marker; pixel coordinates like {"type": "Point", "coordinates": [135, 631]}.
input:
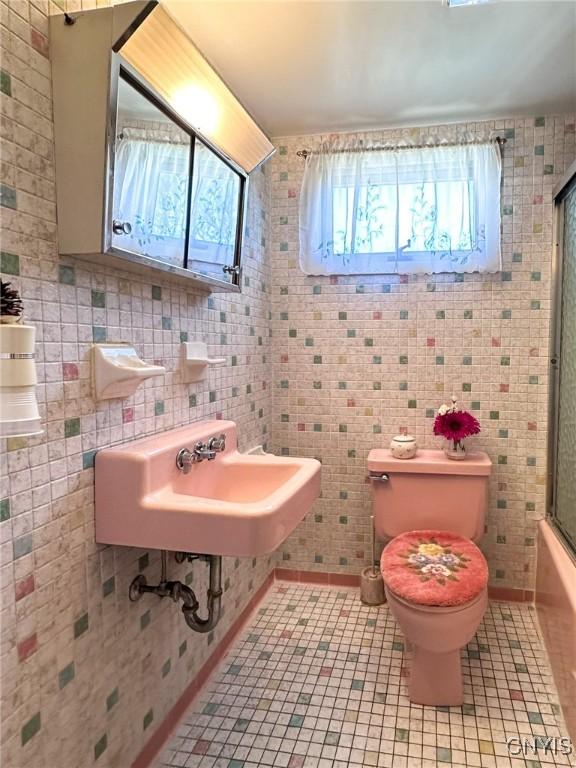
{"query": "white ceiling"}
{"type": "Point", "coordinates": [310, 67]}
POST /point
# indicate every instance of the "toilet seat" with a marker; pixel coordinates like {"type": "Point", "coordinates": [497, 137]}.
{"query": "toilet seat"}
{"type": "Point", "coordinates": [434, 568]}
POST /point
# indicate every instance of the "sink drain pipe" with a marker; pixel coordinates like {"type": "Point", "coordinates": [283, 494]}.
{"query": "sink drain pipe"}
{"type": "Point", "coordinates": [213, 599]}
{"type": "Point", "coordinates": [182, 592]}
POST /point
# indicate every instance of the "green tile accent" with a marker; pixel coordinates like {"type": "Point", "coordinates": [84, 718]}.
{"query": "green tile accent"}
{"type": "Point", "coordinates": [66, 275]}
{"type": "Point", "coordinates": [440, 314]}
{"type": "Point", "coordinates": [8, 197]}
{"type": "Point", "coordinates": [5, 83]}
{"type": "Point", "coordinates": [443, 755]}
{"type": "Point", "coordinates": [494, 415]}
{"type": "Point", "coordinates": [4, 509]}
{"type": "Point", "coordinates": [156, 293]}
{"type": "Point", "coordinates": [145, 620]}
{"type": "Point", "coordinates": [88, 459]}
{"type": "Point", "coordinates": [506, 314]}
{"type": "Point", "coordinates": [539, 149]}
{"type": "Point", "coordinates": [98, 334]}
{"type": "Point", "coordinates": [30, 728]}
{"type": "Point", "coordinates": [66, 675]}
{"type": "Point", "coordinates": [166, 323]}
{"type": "Point", "coordinates": [112, 699]}
{"type": "Point", "coordinates": [468, 314]}
{"type": "Point", "coordinates": [401, 734]}
{"type": "Point", "coordinates": [166, 667]}
{"type": "Point", "coordinates": [296, 721]}
{"type": "Point", "coordinates": [412, 404]}
{"type": "Point", "coordinates": [192, 401]}
{"type": "Point", "coordinates": [182, 648]}
{"type": "Point", "coordinates": [539, 122]}
{"type": "Point", "coordinates": [98, 299]}
{"type": "Point", "coordinates": [9, 263]}
{"type": "Point", "coordinates": [80, 626]}
{"type": "Point", "coordinates": [72, 427]}
{"type": "Point", "coordinates": [100, 746]}
{"type": "Point", "coordinates": [109, 586]}
{"type": "Point", "coordinates": [159, 408]}
{"type": "Point", "coordinates": [148, 718]}
{"type": "Point", "coordinates": [22, 546]}
{"type": "Point", "coordinates": [505, 360]}
{"type": "Point", "coordinates": [548, 170]}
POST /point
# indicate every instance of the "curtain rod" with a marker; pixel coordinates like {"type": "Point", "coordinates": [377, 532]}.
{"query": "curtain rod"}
{"type": "Point", "coordinates": [305, 153]}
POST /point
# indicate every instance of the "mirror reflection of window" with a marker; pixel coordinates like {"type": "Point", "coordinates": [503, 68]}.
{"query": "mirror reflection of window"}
{"type": "Point", "coordinates": [214, 213]}
{"type": "Point", "coordinates": [150, 180]}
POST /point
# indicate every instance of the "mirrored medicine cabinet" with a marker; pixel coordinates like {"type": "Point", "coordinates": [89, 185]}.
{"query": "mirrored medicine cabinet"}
{"type": "Point", "coordinates": [144, 179]}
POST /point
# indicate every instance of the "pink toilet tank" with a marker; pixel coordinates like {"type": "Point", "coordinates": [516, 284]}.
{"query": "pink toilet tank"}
{"type": "Point", "coordinates": [429, 491]}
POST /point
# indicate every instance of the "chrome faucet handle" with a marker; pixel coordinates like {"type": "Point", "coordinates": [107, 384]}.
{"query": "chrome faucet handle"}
{"type": "Point", "coordinates": [185, 459]}
{"type": "Point", "coordinates": [217, 443]}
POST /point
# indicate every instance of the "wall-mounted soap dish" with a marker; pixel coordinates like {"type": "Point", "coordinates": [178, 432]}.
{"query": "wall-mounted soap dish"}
{"type": "Point", "coordinates": [195, 360]}
{"type": "Point", "coordinates": [118, 371]}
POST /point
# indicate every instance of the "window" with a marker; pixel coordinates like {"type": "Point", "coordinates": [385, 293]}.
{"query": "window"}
{"type": "Point", "coordinates": [421, 210]}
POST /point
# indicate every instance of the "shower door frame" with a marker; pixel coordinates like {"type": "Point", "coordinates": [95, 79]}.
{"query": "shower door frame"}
{"type": "Point", "coordinates": [566, 185]}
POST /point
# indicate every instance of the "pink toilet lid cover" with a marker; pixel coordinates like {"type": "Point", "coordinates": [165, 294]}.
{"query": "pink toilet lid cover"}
{"type": "Point", "coordinates": [434, 568]}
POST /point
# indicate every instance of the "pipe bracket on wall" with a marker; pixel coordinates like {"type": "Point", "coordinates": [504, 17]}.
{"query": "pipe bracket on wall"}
{"type": "Point", "coordinates": [118, 371]}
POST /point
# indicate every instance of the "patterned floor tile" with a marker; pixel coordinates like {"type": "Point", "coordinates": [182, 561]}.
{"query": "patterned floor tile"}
{"type": "Point", "coordinates": [318, 681]}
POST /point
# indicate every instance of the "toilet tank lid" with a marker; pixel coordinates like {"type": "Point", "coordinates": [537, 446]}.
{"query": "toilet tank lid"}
{"type": "Point", "coordinates": [429, 462]}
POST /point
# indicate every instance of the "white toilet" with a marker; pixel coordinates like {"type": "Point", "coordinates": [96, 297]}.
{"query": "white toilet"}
{"type": "Point", "coordinates": [431, 510]}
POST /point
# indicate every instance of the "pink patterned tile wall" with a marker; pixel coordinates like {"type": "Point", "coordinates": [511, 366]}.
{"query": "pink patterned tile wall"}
{"type": "Point", "coordinates": [87, 676]}
{"type": "Point", "coordinates": [357, 360]}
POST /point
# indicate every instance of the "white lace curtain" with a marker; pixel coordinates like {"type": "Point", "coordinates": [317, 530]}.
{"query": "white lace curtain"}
{"type": "Point", "coordinates": [151, 192]}
{"type": "Point", "coordinates": [406, 211]}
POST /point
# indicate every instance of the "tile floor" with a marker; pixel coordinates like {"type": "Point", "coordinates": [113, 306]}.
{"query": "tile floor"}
{"type": "Point", "coordinates": [317, 680]}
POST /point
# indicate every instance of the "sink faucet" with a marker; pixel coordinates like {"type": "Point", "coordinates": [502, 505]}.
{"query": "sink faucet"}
{"type": "Point", "coordinates": [201, 451]}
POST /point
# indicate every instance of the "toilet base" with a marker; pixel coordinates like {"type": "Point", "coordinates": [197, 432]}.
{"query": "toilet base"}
{"type": "Point", "coordinates": [436, 678]}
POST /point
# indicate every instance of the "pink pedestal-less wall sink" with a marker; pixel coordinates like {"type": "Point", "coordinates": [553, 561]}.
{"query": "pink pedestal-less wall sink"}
{"type": "Point", "coordinates": [235, 504]}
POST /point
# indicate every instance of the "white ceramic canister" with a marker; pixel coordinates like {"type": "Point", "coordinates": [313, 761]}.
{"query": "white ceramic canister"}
{"type": "Point", "coordinates": [403, 447]}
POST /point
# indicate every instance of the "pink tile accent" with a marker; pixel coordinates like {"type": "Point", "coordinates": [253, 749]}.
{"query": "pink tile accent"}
{"type": "Point", "coordinates": [39, 42]}
{"type": "Point", "coordinates": [532, 426]}
{"type": "Point", "coordinates": [516, 695]}
{"type": "Point", "coordinates": [24, 587]}
{"type": "Point", "coordinates": [70, 371]}
{"type": "Point", "coordinates": [292, 193]}
{"type": "Point", "coordinates": [127, 415]}
{"type": "Point", "coordinates": [285, 634]}
{"type": "Point", "coordinates": [538, 199]}
{"type": "Point", "coordinates": [504, 387]}
{"type": "Point", "coordinates": [325, 671]}
{"type": "Point", "coordinates": [296, 761]}
{"type": "Point", "coordinates": [350, 403]}
{"type": "Point", "coordinates": [283, 358]}
{"type": "Point", "coordinates": [27, 647]}
{"type": "Point", "coordinates": [430, 341]}
{"type": "Point", "coordinates": [201, 747]}
{"type": "Point", "coordinates": [333, 279]}
{"type": "Point", "coordinates": [377, 315]}
{"type": "Point", "coordinates": [496, 342]}
{"type": "Point", "coordinates": [301, 427]}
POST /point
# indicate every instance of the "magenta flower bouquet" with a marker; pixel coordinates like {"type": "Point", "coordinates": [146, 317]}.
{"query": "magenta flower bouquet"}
{"type": "Point", "coordinates": [455, 425]}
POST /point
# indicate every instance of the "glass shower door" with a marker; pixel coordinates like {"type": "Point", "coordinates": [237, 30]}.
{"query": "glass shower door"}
{"type": "Point", "coordinates": [564, 465]}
